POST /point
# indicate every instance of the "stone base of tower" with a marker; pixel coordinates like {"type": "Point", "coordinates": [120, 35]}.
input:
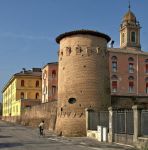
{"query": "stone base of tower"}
{"type": "Point", "coordinates": [71, 126]}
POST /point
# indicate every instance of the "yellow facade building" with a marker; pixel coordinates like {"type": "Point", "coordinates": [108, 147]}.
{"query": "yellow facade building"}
{"type": "Point", "coordinates": [22, 90]}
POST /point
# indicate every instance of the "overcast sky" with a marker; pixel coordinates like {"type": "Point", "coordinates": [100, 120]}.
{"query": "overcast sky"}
{"type": "Point", "coordinates": [28, 28]}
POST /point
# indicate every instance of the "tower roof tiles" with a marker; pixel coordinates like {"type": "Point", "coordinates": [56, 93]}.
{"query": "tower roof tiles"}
{"type": "Point", "coordinates": [89, 32]}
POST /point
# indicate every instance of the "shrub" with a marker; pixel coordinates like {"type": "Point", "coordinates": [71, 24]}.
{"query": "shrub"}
{"type": "Point", "coordinates": [145, 147]}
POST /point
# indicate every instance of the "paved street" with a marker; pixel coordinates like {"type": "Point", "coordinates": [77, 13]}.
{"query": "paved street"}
{"type": "Point", "coordinates": [17, 137]}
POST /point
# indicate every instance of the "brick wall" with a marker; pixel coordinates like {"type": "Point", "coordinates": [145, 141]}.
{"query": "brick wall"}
{"type": "Point", "coordinates": [34, 115]}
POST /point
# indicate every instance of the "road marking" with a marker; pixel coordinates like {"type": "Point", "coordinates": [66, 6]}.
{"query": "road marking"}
{"type": "Point", "coordinates": [60, 140]}
{"type": "Point", "coordinates": [82, 143]}
{"type": "Point", "coordinates": [53, 139]}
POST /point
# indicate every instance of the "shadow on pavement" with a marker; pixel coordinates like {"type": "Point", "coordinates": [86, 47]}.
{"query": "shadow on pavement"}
{"type": "Point", "coordinates": [5, 136]}
{"type": "Point", "coordinates": [19, 129]}
{"type": "Point", "coordinates": [6, 145]}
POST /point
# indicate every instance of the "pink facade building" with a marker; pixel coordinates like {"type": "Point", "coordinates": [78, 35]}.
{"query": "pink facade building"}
{"type": "Point", "coordinates": [128, 72]}
{"type": "Point", "coordinates": [49, 82]}
{"type": "Point", "coordinates": [128, 65]}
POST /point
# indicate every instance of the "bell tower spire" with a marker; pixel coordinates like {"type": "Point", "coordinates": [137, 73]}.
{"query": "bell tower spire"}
{"type": "Point", "coordinates": [130, 31]}
{"type": "Point", "coordinates": [129, 5]}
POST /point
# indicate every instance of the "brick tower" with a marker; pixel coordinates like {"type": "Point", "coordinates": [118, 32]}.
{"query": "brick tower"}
{"type": "Point", "coordinates": [83, 80]}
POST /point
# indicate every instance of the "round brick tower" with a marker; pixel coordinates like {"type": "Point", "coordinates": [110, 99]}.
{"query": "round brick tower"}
{"type": "Point", "coordinates": [83, 79]}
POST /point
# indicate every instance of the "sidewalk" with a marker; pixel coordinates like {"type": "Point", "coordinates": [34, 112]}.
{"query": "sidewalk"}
{"type": "Point", "coordinates": [85, 141]}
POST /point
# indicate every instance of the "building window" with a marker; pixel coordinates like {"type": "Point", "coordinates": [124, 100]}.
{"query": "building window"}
{"type": "Point", "coordinates": [114, 77]}
{"type": "Point", "coordinates": [22, 95]}
{"type": "Point", "coordinates": [114, 64]}
{"type": "Point", "coordinates": [53, 90]}
{"type": "Point", "coordinates": [45, 89]}
{"type": "Point", "coordinates": [131, 84]}
{"type": "Point", "coordinates": [123, 37]}
{"type": "Point", "coordinates": [146, 65]}
{"type": "Point", "coordinates": [131, 87]}
{"type": "Point", "coordinates": [45, 75]}
{"type": "Point", "coordinates": [146, 60]}
{"type": "Point", "coordinates": [133, 37]}
{"type": "Point", "coordinates": [131, 78]}
{"type": "Point", "coordinates": [14, 109]}
{"type": "Point", "coordinates": [146, 88]}
{"type": "Point", "coordinates": [114, 86]}
{"type": "Point", "coordinates": [146, 68]}
{"type": "Point", "coordinates": [130, 59]}
{"type": "Point", "coordinates": [53, 74]}
{"type": "Point", "coordinates": [114, 58]}
{"type": "Point", "coordinates": [131, 68]}
{"type": "Point", "coordinates": [131, 65]}
{"type": "Point", "coordinates": [146, 85]}
{"type": "Point", "coordinates": [37, 83]}
{"type": "Point", "coordinates": [37, 96]}
{"type": "Point", "coordinates": [146, 79]}
{"type": "Point", "coordinates": [22, 83]}
{"type": "Point", "coordinates": [17, 109]}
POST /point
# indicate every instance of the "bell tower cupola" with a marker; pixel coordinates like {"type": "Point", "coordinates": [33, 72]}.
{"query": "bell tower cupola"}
{"type": "Point", "coordinates": [130, 31]}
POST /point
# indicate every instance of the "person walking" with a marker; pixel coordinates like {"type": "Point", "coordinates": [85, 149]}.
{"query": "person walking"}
{"type": "Point", "coordinates": [41, 128]}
